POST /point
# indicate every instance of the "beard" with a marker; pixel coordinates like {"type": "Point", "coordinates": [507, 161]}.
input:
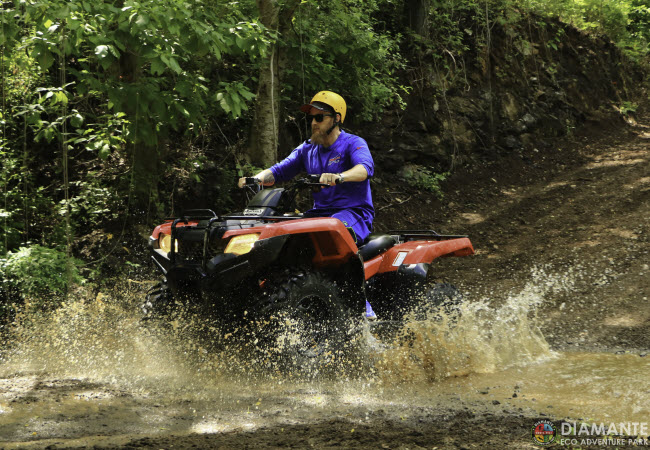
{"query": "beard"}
{"type": "Point", "coordinates": [318, 137]}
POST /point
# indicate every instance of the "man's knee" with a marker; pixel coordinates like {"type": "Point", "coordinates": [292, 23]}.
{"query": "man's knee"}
{"type": "Point", "coordinates": [354, 225]}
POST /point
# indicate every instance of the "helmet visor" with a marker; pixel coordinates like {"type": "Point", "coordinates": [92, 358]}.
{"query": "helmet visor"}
{"type": "Point", "coordinates": [318, 105]}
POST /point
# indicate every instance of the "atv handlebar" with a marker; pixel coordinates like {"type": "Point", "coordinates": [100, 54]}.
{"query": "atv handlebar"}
{"type": "Point", "coordinates": [309, 180]}
{"type": "Point", "coordinates": [315, 178]}
{"type": "Point", "coordinates": [312, 180]}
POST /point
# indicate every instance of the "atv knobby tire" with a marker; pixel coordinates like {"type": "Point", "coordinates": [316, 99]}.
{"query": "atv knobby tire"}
{"type": "Point", "coordinates": [436, 299]}
{"type": "Point", "coordinates": [311, 324]}
{"type": "Point", "coordinates": [159, 301]}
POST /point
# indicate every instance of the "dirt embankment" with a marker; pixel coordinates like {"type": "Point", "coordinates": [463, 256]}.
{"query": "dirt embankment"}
{"type": "Point", "coordinates": [538, 80]}
{"type": "Point", "coordinates": [580, 208]}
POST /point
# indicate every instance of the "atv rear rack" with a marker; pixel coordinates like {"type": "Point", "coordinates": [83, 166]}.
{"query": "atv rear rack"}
{"type": "Point", "coordinates": [417, 235]}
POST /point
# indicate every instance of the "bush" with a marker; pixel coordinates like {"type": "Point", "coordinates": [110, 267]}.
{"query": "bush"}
{"type": "Point", "coordinates": [423, 178]}
{"type": "Point", "coordinates": [37, 274]}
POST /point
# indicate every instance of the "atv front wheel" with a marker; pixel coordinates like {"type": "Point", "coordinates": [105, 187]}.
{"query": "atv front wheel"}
{"type": "Point", "coordinates": [159, 301]}
{"type": "Point", "coordinates": [311, 322]}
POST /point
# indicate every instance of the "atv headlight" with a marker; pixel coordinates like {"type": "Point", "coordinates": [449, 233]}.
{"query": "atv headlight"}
{"type": "Point", "coordinates": [242, 244]}
{"type": "Point", "coordinates": [165, 243]}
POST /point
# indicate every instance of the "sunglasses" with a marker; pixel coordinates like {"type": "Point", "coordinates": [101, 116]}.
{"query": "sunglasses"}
{"type": "Point", "coordinates": [318, 117]}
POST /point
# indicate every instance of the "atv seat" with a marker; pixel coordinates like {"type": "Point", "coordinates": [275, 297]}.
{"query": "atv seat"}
{"type": "Point", "coordinates": [375, 244]}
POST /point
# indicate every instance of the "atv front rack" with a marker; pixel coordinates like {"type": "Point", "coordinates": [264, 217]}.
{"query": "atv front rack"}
{"type": "Point", "coordinates": [203, 215]}
{"type": "Point", "coordinates": [195, 214]}
{"type": "Point", "coordinates": [271, 218]}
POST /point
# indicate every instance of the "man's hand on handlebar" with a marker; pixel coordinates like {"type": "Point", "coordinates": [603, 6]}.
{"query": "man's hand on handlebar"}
{"type": "Point", "coordinates": [264, 178]}
{"type": "Point", "coordinates": [330, 178]}
{"type": "Point", "coordinates": [248, 181]}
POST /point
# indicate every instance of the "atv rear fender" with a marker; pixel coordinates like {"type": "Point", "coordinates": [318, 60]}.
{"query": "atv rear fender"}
{"type": "Point", "coordinates": [411, 257]}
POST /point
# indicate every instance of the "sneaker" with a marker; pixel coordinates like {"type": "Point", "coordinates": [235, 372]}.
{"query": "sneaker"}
{"type": "Point", "coordinates": [370, 314]}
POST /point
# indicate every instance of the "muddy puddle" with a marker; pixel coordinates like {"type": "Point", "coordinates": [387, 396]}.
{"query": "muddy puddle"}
{"type": "Point", "coordinates": [91, 374]}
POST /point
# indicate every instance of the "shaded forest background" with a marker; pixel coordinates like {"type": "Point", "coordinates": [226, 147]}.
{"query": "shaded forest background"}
{"type": "Point", "coordinates": [117, 114]}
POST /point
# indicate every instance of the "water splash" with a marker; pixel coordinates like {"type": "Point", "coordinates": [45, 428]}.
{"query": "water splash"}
{"type": "Point", "coordinates": [477, 337]}
{"type": "Point", "coordinates": [104, 340]}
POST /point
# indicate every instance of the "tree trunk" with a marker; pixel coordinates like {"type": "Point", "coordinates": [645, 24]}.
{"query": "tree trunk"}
{"type": "Point", "coordinates": [143, 152]}
{"type": "Point", "coordinates": [263, 145]}
{"type": "Point", "coordinates": [417, 12]}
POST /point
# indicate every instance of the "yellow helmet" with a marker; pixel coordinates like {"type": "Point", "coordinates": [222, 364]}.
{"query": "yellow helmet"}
{"type": "Point", "coordinates": [324, 99]}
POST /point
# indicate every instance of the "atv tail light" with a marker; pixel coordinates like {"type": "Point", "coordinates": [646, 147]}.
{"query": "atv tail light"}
{"type": "Point", "coordinates": [165, 243]}
{"type": "Point", "coordinates": [242, 244]}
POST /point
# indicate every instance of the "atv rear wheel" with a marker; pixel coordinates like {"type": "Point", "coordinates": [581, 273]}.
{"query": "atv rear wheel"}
{"type": "Point", "coordinates": [438, 298]}
{"type": "Point", "coordinates": [311, 322]}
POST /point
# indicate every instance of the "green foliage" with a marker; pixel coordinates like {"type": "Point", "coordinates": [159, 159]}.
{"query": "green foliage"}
{"type": "Point", "coordinates": [91, 205]}
{"type": "Point", "coordinates": [424, 178]}
{"type": "Point", "coordinates": [457, 28]}
{"type": "Point", "coordinates": [22, 200]}
{"type": "Point", "coordinates": [639, 16]}
{"type": "Point", "coordinates": [625, 21]}
{"type": "Point", "coordinates": [101, 138]}
{"type": "Point", "coordinates": [628, 108]}
{"type": "Point", "coordinates": [340, 47]}
{"type": "Point", "coordinates": [99, 80]}
{"type": "Point", "coordinates": [38, 273]}
{"type": "Point", "coordinates": [233, 98]}
{"type": "Point", "coordinates": [247, 169]}
{"type": "Point", "coordinates": [448, 36]}
{"type": "Point", "coordinates": [639, 27]}
{"type": "Point", "coordinates": [150, 60]}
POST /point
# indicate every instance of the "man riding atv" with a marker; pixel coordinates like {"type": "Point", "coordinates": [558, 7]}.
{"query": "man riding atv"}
{"type": "Point", "coordinates": [299, 284]}
{"type": "Point", "coordinates": [342, 160]}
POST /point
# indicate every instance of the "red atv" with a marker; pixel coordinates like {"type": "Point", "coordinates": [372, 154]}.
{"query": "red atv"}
{"type": "Point", "coordinates": [270, 262]}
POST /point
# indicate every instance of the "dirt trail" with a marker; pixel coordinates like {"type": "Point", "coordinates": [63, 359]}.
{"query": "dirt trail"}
{"type": "Point", "coordinates": [565, 229]}
{"type": "Point", "coordinates": [584, 208]}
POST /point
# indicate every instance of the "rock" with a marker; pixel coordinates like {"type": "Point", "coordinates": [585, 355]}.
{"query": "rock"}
{"type": "Point", "coordinates": [512, 142]}
{"type": "Point", "coordinates": [528, 140]}
{"type": "Point", "coordinates": [520, 127]}
{"type": "Point", "coordinates": [509, 106]}
{"type": "Point", "coordinates": [528, 119]}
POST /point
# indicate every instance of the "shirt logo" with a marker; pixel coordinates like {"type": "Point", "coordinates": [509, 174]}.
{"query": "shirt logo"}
{"type": "Point", "coordinates": [334, 160]}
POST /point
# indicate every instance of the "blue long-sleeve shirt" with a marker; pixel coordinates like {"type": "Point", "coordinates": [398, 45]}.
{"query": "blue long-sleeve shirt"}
{"type": "Point", "coordinates": [347, 151]}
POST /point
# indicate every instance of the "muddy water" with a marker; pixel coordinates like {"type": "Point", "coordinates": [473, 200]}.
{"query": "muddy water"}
{"type": "Point", "coordinates": [91, 372]}
{"type": "Point", "coordinates": [598, 387]}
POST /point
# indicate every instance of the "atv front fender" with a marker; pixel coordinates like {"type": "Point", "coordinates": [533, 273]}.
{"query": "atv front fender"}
{"type": "Point", "coordinates": [228, 268]}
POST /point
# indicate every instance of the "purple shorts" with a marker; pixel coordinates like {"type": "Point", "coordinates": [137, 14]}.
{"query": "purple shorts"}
{"type": "Point", "coordinates": [357, 225]}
